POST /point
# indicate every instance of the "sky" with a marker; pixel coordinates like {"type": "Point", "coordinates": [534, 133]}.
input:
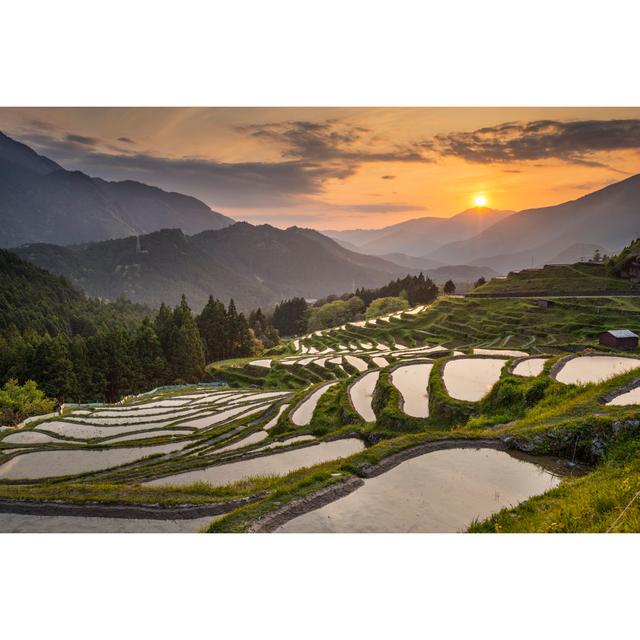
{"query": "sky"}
{"type": "Point", "coordinates": [343, 168]}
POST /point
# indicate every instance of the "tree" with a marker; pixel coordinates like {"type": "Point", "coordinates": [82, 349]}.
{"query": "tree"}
{"type": "Point", "coordinates": [449, 287]}
{"type": "Point", "coordinates": [383, 306]}
{"type": "Point", "coordinates": [290, 317]}
{"type": "Point", "coordinates": [212, 323]}
{"type": "Point", "coordinates": [479, 282]}
{"type": "Point", "coordinates": [186, 351]}
{"type": "Point", "coordinates": [18, 402]}
{"type": "Point", "coordinates": [151, 367]}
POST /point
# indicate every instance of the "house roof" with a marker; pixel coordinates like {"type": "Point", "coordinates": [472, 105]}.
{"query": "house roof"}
{"type": "Point", "coordinates": [622, 333]}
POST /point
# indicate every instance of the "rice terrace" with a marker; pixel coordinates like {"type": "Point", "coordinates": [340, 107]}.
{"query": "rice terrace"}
{"type": "Point", "coordinates": [339, 351]}
{"type": "Point", "coordinates": [502, 415]}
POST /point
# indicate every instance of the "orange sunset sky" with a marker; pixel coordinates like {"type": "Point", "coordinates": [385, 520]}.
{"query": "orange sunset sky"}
{"type": "Point", "coordinates": [340, 168]}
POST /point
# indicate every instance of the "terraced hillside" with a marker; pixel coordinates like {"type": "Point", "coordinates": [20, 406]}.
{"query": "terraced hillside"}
{"type": "Point", "coordinates": [560, 279]}
{"type": "Point", "coordinates": [297, 439]}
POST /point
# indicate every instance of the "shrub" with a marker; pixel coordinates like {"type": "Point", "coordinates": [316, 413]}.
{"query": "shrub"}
{"type": "Point", "coordinates": [18, 402]}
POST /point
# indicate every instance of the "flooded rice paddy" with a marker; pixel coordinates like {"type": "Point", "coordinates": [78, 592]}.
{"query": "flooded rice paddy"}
{"type": "Point", "coordinates": [22, 523]}
{"type": "Point", "coordinates": [624, 399]}
{"type": "Point", "coordinates": [585, 369]}
{"type": "Point", "coordinates": [361, 394]}
{"type": "Point", "coordinates": [63, 462]}
{"type": "Point", "coordinates": [277, 464]}
{"type": "Point", "coordinates": [530, 368]}
{"type": "Point", "coordinates": [442, 491]}
{"type": "Point", "coordinates": [471, 378]}
{"type": "Point", "coordinates": [411, 381]}
{"type": "Point", "coordinates": [303, 413]}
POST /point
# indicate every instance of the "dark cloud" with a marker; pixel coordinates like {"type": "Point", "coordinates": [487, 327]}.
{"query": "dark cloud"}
{"type": "Point", "coordinates": [331, 140]}
{"type": "Point", "coordinates": [126, 140]}
{"type": "Point", "coordinates": [83, 140]}
{"type": "Point", "coordinates": [388, 177]}
{"type": "Point", "coordinates": [575, 142]}
{"type": "Point", "coordinates": [242, 185]}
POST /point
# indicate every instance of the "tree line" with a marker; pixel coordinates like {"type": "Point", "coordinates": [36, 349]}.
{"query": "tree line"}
{"type": "Point", "coordinates": [295, 316]}
{"type": "Point", "coordinates": [116, 360]}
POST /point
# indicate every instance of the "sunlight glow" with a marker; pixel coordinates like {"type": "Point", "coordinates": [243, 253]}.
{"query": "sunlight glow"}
{"type": "Point", "coordinates": [480, 201]}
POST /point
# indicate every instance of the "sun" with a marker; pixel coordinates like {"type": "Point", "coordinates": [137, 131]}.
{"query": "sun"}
{"type": "Point", "coordinates": [480, 201]}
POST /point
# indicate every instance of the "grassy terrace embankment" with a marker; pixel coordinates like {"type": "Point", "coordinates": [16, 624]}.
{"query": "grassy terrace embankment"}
{"type": "Point", "coordinates": [567, 279]}
{"type": "Point", "coordinates": [532, 414]}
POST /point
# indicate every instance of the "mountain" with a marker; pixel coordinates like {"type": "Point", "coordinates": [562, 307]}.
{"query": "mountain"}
{"type": "Point", "coordinates": [420, 236]}
{"type": "Point", "coordinates": [403, 260]}
{"type": "Point", "coordinates": [255, 265]}
{"type": "Point", "coordinates": [42, 202]}
{"type": "Point", "coordinates": [32, 299]}
{"type": "Point", "coordinates": [609, 218]}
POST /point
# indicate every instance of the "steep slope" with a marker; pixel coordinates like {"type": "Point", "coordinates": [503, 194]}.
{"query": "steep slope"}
{"type": "Point", "coordinates": [609, 218]}
{"type": "Point", "coordinates": [35, 300]}
{"type": "Point", "coordinates": [257, 266]}
{"type": "Point", "coordinates": [42, 202]}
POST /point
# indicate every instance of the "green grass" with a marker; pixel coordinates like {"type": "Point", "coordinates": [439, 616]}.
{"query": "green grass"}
{"type": "Point", "coordinates": [558, 279]}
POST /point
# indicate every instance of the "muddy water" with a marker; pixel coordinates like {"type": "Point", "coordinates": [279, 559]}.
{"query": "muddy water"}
{"type": "Point", "coordinates": [630, 397]}
{"type": "Point", "coordinates": [29, 437]}
{"type": "Point", "coordinates": [471, 379]}
{"type": "Point", "coordinates": [50, 464]}
{"type": "Point", "coordinates": [358, 363]}
{"type": "Point", "coordinates": [304, 412]}
{"type": "Point", "coordinates": [441, 491]}
{"type": "Point", "coordinates": [411, 381]}
{"type": "Point", "coordinates": [585, 369]}
{"type": "Point", "coordinates": [379, 361]}
{"type": "Point", "coordinates": [274, 421]}
{"type": "Point", "coordinates": [20, 523]}
{"type": "Point", "coordinates": [276, 464]}
{"type": "Point", "coordinates": [530, 368]}
{"type": "Point", "coordinates": [266, 363]}
{"type": "Point", "coordinates": [85, 431]}
{"type": "Point", "coordinates": [499, 352]}
{"type": "Point", "coordinates": [361, 394]}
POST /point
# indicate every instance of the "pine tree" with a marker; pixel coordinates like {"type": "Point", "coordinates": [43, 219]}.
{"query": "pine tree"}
{"type": "Point", "coordinates": [186, 351]}
{"type": "Point", "coordinates": [212, 323]}
{"type": "Point", "coordinates": [449, 287]}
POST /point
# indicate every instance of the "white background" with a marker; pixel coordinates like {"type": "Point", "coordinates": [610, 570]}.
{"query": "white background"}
{"type": "Point", "coordinates": [299, 53]}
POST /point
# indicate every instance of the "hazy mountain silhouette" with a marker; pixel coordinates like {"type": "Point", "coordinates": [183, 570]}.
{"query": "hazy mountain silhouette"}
{"type": "Point", "coordinates": [420, 236]}
{"type": "Point", "coordinates": [609, 218]}
{"type": "Point", "coordinates": [255, 265]}
{"type": "Point", "coordinates": [42, 202]}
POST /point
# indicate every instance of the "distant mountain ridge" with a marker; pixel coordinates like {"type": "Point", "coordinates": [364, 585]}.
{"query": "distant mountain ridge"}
{"type": "Point", "coordinates": [255, 265]}
{"type": "Point", "coordinates": [608, 218]}
{"type": "Point", "coordinates": [419, 236]}
{"type": "Point", "coordinates": [42, 202]}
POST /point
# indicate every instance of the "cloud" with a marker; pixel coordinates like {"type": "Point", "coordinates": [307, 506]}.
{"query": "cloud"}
{"type": "Point", "coordinates": [331, 140]}
{"type": "Point", "coordinates": [83, 140]}
{"type": "Point", "coordinates": [241, 185]}
{"type": "Point", "coordinates": [312, 153]}
{"type": "Point", "coordinates": [126, 140]}
{"type": "Point", "coordinates": [387, 177]}
{"type": "Point", "coordinates": [575, 142]}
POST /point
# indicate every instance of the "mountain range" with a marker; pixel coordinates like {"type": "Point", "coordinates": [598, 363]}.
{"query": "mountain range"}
{"type": "Point", "coordinates": [255, 265]}
{"type": "Point", "coordinates": [607, 220]}
{"type": "Point", "coordinates": [420, 236]}
{"type": "Point", "coordinates": [42, 202]}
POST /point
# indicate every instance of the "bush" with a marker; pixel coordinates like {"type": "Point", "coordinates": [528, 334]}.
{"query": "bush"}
{"type": "Point", "coordinates": [18, 402]}
{"type": "Point", "coordinates": [382, 306]}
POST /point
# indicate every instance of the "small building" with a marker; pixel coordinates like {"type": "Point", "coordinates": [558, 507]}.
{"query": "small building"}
{"type": "Point", "coordinates": [545, 304]}
{"type": "Point", "coordinates": [619, 338]}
